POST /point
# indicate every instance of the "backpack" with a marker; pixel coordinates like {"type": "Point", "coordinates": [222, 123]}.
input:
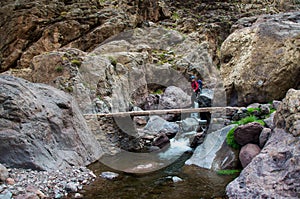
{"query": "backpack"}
{"type": "Point", "coordinates": [200, 84]}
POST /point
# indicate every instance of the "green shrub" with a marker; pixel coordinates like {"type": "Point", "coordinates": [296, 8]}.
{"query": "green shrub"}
{"type": "Point", "coordinates": [246, 120]}
{"type": "Point", "coordinates": [158, 92]}
{"type": "Point", "coordinates": [251, 110]}
{"type": "Point", "coordinates": [175, 16]}
{"type": "Point", "coordinates": [76, 62]}
{"type": "Point", "coordinates": [112, 60]}
{"type": "Point", "coordinates": [59, 68]}
{"type": "Point", "coordinates": [228, 172]}
{"type": "Point", "coordinates": [230, 139]}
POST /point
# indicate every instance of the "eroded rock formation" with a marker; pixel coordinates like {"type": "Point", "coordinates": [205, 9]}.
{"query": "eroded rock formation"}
{"type": "Point", "coordinates": [42, 128]}
{"type": "Point", "coordinates": [260, 61]}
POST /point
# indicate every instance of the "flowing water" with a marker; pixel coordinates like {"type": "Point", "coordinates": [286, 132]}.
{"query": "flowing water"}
{"type": "Point", "coordinates": [153, 178]}
{"type": "Point", "coordinates": [156, 175]}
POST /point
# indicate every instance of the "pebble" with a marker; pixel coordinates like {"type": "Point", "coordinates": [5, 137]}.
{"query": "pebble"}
{"type": "Point", "coordinates": [109, 175]}
{"type": "Point", "coordinates": [44, 184]}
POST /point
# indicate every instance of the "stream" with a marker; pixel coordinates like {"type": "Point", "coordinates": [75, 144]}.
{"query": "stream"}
{"type": "Point", "coordinates": [196, 183]}
{"type": "Point", "coordinates": [155, 175]}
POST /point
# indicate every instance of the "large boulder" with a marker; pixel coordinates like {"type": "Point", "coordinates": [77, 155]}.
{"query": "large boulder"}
{"type": "Point", "coordinates": [205, 155]}
{"type": "Point", "coordinates": [42, 127]}
{"type": "Point", "coordinates": [173, 98]}
{"type": "Point", "coordinates": [275, 171]}
{"type": "Point", "coordinates": [248, 133]}
{"type": "Point", "coordinates": [257, 59]}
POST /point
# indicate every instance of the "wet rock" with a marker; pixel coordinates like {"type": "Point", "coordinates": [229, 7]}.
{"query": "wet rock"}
{"type": "Point", "coordinates": [161, 140]}
{"type": "Point", "coordinates": [174, 179]}
{"type": "Point", "coordinates": [157, 124]}
{"type": "Point", "coordinates": [109, 175]}
{"type": "Point", "coordinates": [247, 153]}
{"type": "Point", "coordinates": [6, 195]}
{"type": "Point", "coordinates": [197, 140]}
{"type": "Point", "coordinates": [205, 154]}
{"type": "Point", "coordinates": [248, 133]}
{"type": "Point", "coordinates": [189, 124]}
{"type": "Point", "coordinates": [264, 136]}
{"type": "Point", "coordinates": [205, 98]}
{"type": "Point", "coordinates": [3, 173]}
{"type": "Point", "coordinates": [226, 158]}
{"type": "Point", "coordinates": [78, 195]}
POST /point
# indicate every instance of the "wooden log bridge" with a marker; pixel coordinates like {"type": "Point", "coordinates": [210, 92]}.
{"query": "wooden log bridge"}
{"type": "Point", "coordinates": [164, 112]}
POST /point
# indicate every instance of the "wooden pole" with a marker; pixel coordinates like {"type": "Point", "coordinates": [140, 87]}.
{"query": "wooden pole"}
{"type": "Point", "coordinates": [163, 112]}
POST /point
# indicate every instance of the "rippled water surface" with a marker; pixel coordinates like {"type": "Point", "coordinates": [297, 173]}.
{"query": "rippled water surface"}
{"type": "Point", "coordinates": [197, 183]}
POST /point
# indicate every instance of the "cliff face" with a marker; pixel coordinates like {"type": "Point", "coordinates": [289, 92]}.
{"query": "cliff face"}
{"type": "Point", "coordinates": [30, 28]}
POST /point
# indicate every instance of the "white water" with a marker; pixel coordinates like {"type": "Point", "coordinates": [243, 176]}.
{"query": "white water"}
{"type": "Point", "coordinates": [176, 148]}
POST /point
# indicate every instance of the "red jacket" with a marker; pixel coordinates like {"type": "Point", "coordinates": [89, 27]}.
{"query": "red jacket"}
{"type": "Point", "coordinates": [195, 85]}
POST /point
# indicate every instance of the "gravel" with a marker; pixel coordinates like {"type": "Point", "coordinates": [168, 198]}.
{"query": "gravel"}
{"type": "Point", "coordinates": [27, 183]}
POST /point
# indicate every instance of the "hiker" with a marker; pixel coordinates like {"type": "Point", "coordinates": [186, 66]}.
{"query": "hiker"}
{"type": "Point", "coordinates": [196, 86]}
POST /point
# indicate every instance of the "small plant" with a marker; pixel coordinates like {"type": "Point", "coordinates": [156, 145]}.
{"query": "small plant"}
{"type": "Point", "coordinates": [112, 60]}
{"type": "Point", "coordinates": [246, 120]}
{"type": "Point", "coordinates": [228, 172]}
{"type": "Point", "coordinates": [69, 89]}
{"type": "Point", "coordinates": [59, 68]}
{"type": "Point", "coordinates": [76, 62]}
{"type": "Point", "coordinates": [175, 16]}
{"type": "Point", "coordinates": [158, 92]}
{"type": "Point", "coordinates": [252, 110]}
{"type": "Point", "coordinates": [230, 139]}
{"type": "Point", "coordinates": [64, 13]}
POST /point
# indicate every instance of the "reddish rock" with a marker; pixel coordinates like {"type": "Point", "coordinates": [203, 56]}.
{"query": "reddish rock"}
{"type": "Point", "coordinates": [10, 181]}
{"type": "Point", "coordinates": [247, 153]}
{"type": "Point", "coordinates": [248, 133]}
{"type": "Point", "coordinates": [161, 141]}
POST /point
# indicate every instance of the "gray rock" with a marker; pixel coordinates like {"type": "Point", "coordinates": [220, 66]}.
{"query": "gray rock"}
{"type": "Point", "coordinates": [3, 173]}
{"type": "Point", "coordinates": [71, 187]}
{"type": "Point", "coordinates": [6, 195]}
{"type": "Point", "coordinates": [109, 175]}
{"type": "Point", "coordinates": [157, 124]}
{"type": "Point", "coordinates": [270, 121]}
{"type": "Point", "coordinates": [264, 136]}
{"type": "Point", "coordinates": [265, 109]}
{"type": "Point", "coordinates": [288, 114]}
{"type": "Point", "coordinates": [189, 124]}
{"type": "Point", "coordinates": [42, 127]}
{"type": "Point", "coordinates": [247, 153]}
{"type": "Point", "coordinates": [174, 97]}
{"type": "Point", "coordinates": [276, 104]}
{"type": "Point", "coordinates": [248, 133]}
{"type": "Point", "coordinates": [205, 154]}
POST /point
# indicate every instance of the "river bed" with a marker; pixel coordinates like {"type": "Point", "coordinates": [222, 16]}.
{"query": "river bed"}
{"type": "Point", "coordinates": [196, 183]}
